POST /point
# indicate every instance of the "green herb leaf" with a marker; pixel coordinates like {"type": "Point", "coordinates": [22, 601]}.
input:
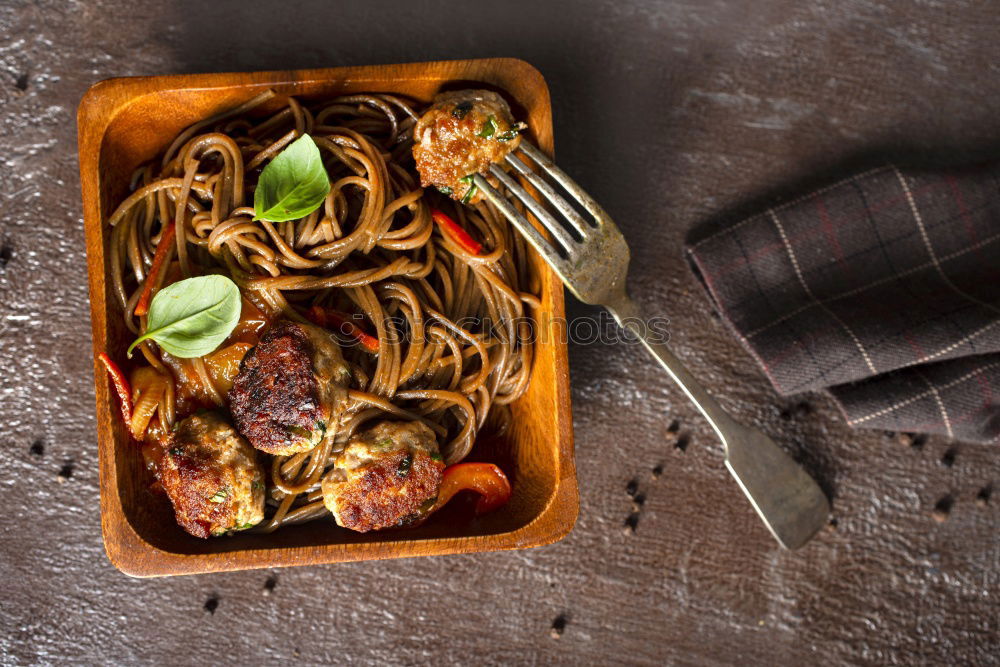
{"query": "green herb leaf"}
{"type": "Point", "coordinates": [461, 109]}
{"type": "Point", "coordinates": [470, 181]}
{"type": "Point", "coordinates": [436, 456]}
{"type": "Point", "coordinates": [489, 128]}
{"type": "Point", "coordinates": [404, 466]}
{"type": "Point", "coordinates": [220, 496]}
{"type": "Point", "coordinates": [512, 133]}
{"type": "Point", "coordinates": [192, 317]}
{"type": "Point", "coordinates": [293, 184]}
{"type": "Point", "coordinates": [444, 189]}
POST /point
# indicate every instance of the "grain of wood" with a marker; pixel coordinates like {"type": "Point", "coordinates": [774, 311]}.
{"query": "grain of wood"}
{"type": "Point", "coordinates": [125, 122]}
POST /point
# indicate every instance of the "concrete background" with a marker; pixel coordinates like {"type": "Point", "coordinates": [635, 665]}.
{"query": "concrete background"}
{"type": "Point", "coordinates": [674, 115]}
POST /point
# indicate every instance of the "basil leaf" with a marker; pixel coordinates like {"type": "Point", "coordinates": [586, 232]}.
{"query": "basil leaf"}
{"type": "Point", "coordinates": [192, 317]}
{"type": "Point", "coordinates": [489, 128]}
{"type": "Point", "coordinates": [293, 184]}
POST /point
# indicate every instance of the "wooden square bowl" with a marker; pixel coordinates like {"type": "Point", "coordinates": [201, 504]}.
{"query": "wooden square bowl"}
{"type": "Point", "coordinates": [126, 122]}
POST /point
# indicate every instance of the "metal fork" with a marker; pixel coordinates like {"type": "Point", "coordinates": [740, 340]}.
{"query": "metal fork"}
{"type": "Point", "coordinates": [789, 501]}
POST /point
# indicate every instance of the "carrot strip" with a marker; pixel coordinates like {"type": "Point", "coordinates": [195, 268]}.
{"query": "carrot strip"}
{"type": "Point", "coordinates": [163, 249]}
{"type": "Point", "coordinates": [457, 234]}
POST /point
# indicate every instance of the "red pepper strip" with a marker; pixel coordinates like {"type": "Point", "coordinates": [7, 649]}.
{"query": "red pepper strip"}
{"type": "Point", "coordinates": [317, 316]}
{"type": "Point", "coordinates": [485, 479]}
{"type": "Point", "coordinates": [331, 319]}
{"type": "Point", "coordinates": [163, 249]}
{"type": "Point", "coordinates": [120, 382]}
{"type": "Point", "coordinates": [457, 234]}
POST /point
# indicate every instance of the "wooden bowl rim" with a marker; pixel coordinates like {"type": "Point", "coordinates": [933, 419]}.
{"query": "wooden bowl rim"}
{"type": "Point", "coordinates": [125, 548]}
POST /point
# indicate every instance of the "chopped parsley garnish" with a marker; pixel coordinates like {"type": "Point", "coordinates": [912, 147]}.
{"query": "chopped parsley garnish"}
{"type": "Point", "coordinates": [461, 109]}
{"type": "Point", "coordinates": [445, 190]}
{"type": "Point", "coordinates": [220, 496]}
{"type": "Point", "coordinates": [408, 519]}
{"type": "Point", "coordinates": [470, 181]}
{"type": "Point", "coordinates": [489, 128]}
{"type": "Point", "coordinates": [404, 466]}
{"type": "Point", "coordinates": [383, 443]}
{"type": "Point", "coordinates": [321, 425]}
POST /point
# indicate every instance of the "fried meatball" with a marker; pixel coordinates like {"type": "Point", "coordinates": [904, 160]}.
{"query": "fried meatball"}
{"type": "Point", "coordinates": [289, 388]}
{"type": "Point", "coordinates": [388, 475]}
{"type": "Point", "coordinates": [461, 135]}
{"type": "Point", "coordinates": [212, 477]}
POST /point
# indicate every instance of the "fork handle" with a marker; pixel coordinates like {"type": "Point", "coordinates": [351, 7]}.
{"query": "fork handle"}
{"type": "Point", "coordinates": [628, 316]}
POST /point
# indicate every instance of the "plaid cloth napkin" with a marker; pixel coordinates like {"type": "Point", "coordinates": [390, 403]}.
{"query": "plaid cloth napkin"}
{"type": "Point", "coordinates": [883, 289]}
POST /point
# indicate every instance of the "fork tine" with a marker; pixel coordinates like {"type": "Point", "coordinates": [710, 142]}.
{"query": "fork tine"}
{"type": "Point", "coordinates": [532, 235]}
{"type": "Point", "coordinates": [561, 177]}
{"type": "Point", "coordinates": [575, 219]}
{"type": "Point", "coordinates": [533, 205]}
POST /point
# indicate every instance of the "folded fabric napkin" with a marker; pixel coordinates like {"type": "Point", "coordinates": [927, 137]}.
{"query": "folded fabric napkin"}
{"type": "Point", "coordinates": [883, 289]}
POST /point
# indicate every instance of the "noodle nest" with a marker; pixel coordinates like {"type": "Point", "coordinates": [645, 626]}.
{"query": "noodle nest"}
{"type": "Point", "coordinates": [453, 328]}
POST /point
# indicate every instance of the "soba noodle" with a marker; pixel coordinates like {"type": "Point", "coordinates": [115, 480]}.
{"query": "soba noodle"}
{"type": "Point", "coordinates": [452, 327]}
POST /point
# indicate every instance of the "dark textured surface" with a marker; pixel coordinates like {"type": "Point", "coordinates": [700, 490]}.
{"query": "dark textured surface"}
{"type": "Point", "coordinates": [672, 114]}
